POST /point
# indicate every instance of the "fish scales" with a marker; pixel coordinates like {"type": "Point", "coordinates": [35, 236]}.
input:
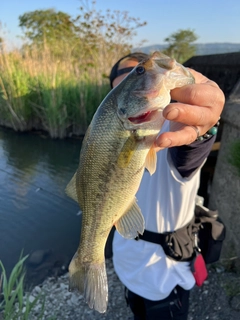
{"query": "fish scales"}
{"type": "Point", "coordinates": [101, 195]}
{"type": "Point", "coordinates": [117, 147]}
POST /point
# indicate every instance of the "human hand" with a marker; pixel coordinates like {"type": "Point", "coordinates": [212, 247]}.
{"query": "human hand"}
{"type": "Point", "coordinates": [198, 105]}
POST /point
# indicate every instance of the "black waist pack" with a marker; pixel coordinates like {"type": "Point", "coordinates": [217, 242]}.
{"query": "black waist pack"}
{"type": "Point", "coordinates": [206, 232]}
{"type": "Point", "coordinates": [211, 233]}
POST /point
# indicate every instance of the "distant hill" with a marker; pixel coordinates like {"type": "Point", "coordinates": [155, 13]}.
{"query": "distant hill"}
{"type": "Point", "coordinates": [202, 48]}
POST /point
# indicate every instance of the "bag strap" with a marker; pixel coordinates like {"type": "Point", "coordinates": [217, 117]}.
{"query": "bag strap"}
{"type": "Point", "coordinates": [160, 238]}
{"type": "Point", "coordinates": [154, 237]}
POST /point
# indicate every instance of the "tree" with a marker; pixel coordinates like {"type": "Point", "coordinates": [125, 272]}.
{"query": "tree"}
{"type": "Point", "coordinates": [180, 45]}
{"type": "Point", "coordinates": [90, 37]}
{"type": "Point", "coordinates": [108, 33]}
{"type": "Point", "coordinates": [48, 27]}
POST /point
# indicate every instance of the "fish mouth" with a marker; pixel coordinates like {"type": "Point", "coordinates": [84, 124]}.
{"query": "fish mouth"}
{"type": "Point", "coordinates": [144, 117]}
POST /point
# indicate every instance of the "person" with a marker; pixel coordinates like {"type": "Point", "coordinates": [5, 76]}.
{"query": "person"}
{"type": "Point", "coordinates": [157, 286]}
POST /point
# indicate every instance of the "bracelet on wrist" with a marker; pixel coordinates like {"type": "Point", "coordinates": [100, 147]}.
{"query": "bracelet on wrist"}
{"type": "Point", "coordinates": [211, 132]}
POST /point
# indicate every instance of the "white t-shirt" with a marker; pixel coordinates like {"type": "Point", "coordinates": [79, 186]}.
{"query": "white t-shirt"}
{"type": "Point", "coordinates": [167, 201]}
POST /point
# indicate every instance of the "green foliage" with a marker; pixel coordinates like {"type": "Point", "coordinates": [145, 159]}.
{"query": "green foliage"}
{"type": "Point", "coordinates": [67, 101]}
{"type": "Point", "coordinates": [14, 304]}
{"type": "Point", "coordinates": [59, 77]}
{"type": "Point", "coordinates": [88, 35]}
{"type": "Point", "coordinates": [49, 27]}
{"type": "Point", "coordinates": [180, 45]}
{"type": "Point", "coordinates": [38, 91]}
{"type": "Point", "coordinates": [234, 157]}
{"type": "Point", "coordinates": [14, 87]}
{"type": "Point", "coordinates": [112, 31]}
{"type": "Point", "coordinates": [232, 287]}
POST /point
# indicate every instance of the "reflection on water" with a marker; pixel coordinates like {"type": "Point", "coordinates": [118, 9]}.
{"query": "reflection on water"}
{"type": "Point", "coordinates": [35, 213]}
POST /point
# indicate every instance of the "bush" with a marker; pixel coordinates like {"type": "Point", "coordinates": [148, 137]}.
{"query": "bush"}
{"type": "Point", "coordinates": [14, 304]}
{"type": "Point", "coordinates": [234, 158]}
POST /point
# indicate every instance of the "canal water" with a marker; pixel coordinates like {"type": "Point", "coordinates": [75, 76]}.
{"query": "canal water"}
{"type": "Point", "coordinates": [36, 217]}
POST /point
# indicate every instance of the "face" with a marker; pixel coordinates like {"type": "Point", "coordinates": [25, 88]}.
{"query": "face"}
{"type": "Point", "coordinates": [124, 64]}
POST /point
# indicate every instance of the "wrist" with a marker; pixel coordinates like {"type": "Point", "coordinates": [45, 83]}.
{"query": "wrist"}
{"type": "Point", "coordinates": [211, 132]}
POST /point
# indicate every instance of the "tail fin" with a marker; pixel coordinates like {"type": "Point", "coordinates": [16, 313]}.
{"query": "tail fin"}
{"type": "Point", "coordinates": [91, 281]}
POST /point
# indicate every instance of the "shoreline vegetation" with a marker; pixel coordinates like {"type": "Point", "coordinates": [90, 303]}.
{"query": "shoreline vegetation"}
{"type": "Point", "coordinates": [39, 92]}
{"type": "Point", "coordinates": [14, 302]}
{"type": "Point", "coordinates": [56, 80]}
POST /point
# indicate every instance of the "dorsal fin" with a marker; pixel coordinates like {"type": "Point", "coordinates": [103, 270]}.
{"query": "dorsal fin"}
{"type": "Point", "coordinates": [71, 189]}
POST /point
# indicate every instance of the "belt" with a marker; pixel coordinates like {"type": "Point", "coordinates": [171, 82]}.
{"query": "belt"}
{"type": "Point", "coordinates": [154, 237]}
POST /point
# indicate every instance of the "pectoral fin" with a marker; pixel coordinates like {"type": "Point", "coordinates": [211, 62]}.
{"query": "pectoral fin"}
{"type": "Point", "coordinates": [71, 189]}
{"type": "Point", "coordinates": [131, 223]}
{"type": "Point", "coordinates": [127, 152]}
{"type": "Point", "coordinates": [151, 161]}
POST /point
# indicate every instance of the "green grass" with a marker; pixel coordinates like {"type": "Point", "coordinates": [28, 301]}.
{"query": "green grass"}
{"type": "Point", "coordinates": [234, 158]}
{"type": "Point", "coordinates": [232, 287]}
{"type": "Point", "coordinates": [37, 91]}
{"type": "Point", "coordinates": [14, 304]}
{"type": "Point", "coordinates": [14, 89]}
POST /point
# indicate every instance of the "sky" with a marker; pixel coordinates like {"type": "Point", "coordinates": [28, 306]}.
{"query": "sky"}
{"type": "Point", "coordinates": [211, 20]}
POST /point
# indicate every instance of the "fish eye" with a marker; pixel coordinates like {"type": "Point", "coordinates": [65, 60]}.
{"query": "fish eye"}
{"type": "Point", "coordinates": [140, 70]}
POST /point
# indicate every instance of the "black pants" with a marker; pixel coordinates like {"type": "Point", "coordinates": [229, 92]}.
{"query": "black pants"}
{"type": "Point", "coordinates": [175, 306]}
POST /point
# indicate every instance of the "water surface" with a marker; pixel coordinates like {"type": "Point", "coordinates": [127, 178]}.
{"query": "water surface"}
{"type": "Point", "coordinates": [35, 213]}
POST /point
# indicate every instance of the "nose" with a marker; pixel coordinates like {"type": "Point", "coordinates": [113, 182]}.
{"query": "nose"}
{"type": "Point", "coordinates": [122, 112]}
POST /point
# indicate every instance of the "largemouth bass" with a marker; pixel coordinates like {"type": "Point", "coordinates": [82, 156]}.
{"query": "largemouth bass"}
{"type": "Point", "coordinates": [117, 147]}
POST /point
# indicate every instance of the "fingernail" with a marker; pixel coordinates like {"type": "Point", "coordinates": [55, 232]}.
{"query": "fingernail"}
{"type": "Point", "coordinates": [165, 143]}
{"type": "Point", "coordinates": [173, 114]}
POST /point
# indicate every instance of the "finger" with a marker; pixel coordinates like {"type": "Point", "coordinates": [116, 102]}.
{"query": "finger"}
{"type": "Point", "coordinates": [200, 105]}
{"type": "Point", "coordinates": [203, 94]}
{"type": "Point", "coordinates": [185, 135]}
{"type": "Point", "coordinates": [191, 114]}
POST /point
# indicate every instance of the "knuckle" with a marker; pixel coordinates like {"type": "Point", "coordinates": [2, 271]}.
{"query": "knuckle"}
{"type": "Point", "coordinates": [194, 95]}
{"type": "Point", "coordinates": [220, 99]}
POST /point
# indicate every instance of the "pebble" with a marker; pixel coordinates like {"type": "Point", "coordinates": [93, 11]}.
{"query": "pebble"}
{"type": "Point", "coordinates": [37, 289]}
{"type": "Point", "coordinates": [210, 301]}
{"type": "Point", "coordinates": [31, 298]}
{"type": "Point", "coordinates": [235, 302]}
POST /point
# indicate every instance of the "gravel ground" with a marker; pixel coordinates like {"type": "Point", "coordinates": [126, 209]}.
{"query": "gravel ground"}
{"type": "Point", "coordinates": [217, 299]}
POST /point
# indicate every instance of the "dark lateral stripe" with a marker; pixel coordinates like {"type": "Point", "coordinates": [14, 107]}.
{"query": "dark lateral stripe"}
{"type": "Point", "coordinates": [124, 70]}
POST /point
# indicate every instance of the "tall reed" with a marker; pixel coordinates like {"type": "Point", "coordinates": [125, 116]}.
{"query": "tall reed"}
{"type": "Point", "coordinates": [39, 91]}
{"type": "Point", "coordinates": [14, 87]}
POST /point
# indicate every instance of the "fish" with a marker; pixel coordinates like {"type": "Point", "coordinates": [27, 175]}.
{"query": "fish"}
{"type": "Point", "coordinates": [116, 149]}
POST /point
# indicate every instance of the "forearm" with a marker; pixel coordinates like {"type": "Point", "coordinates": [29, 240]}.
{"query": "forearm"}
{"type": "Point", "coordinates": [188, 158]}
